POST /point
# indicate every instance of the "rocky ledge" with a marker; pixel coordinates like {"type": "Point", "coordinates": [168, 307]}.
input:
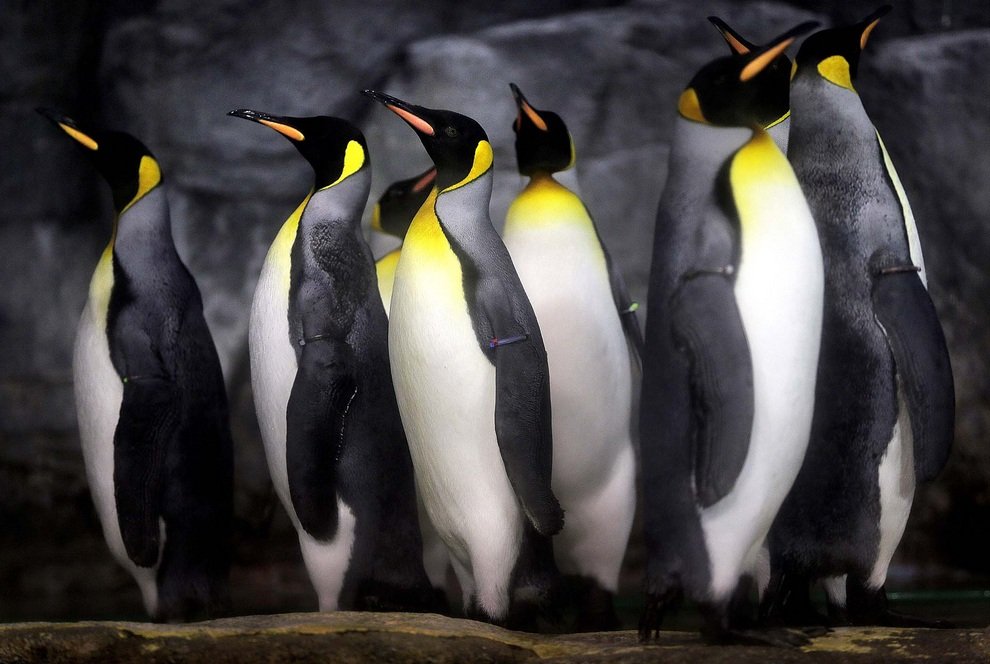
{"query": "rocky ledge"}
{"type": "Point", "coordinates": [366, 637]}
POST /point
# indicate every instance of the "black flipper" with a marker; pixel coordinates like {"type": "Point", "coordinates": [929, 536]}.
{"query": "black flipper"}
{"type": "Point", "coordinates": [522, 417]}
{"type": "Point", "coordinates": [708, 329]}
{"type": "Point", "coordinates": [905, 312]}
{"type": "Point", "coordinates": [147, 424]}
{"type": "Point", "coordinates": [316, 432]}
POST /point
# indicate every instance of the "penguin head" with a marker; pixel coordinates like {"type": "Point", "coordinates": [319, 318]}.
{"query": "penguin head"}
{"type": "Point", "coordinates": [834, 53]}
{"type": "Point", "coordinates": [778, 71]}
{"type": "Point", "coordinates": [742, 89]}
{"type": "Point", "coordinates": [124, 162]}
{"type": "Point", "coordinates": [334, 147]}
{"type": "Point", "coordinates": [543, 143]}
{"type": "Point", "coordinates": [457, 144]}
{"type": "Point", "coordinates": [396, 208]}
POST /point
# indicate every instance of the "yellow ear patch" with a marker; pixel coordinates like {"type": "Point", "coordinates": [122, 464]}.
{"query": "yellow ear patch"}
{"type": "Point", "coordinates": [149, 175]}
{"type": "Point", "coordinates": [79, 136]}
{"type": "Point", "coordinates": [284, 129]}
{"type": "Point", "coordinates": [483, 158]}
{"type": "Point", "coordinates": [689, 106]}
{"type": "Point", "coordinates": [353, 161]}
{"type": "Point", "coordinates": [835, 69]}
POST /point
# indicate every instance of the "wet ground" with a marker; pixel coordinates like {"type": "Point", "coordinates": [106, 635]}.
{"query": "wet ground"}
{"type": "Point", "coordinates": [395, 638]}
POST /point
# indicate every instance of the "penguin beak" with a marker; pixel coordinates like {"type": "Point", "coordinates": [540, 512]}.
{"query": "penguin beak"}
{"type": "Point", "coordinates": [731, 37]}
{"type": "Point", "coordinates": [870, 22]}
{"type": "Point", "coordinates": [68, 125]}
{"type": "Point", "coordinates": [773, 49]}
{"type": "Point", "coordinates": [425, 180]}
{"type": "Point", "coordinates": [413, 115]}
{"type": "Point", "coordinates": [527, 109]}
{"type": "Point", "coordinates": [277, 123]}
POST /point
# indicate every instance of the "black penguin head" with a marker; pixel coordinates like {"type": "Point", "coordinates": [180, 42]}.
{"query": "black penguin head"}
{"type": "Point", "coordinates": [457, 144]}
{"type": "Point", "coordinates": [335, 148]}
{"type": "Point", "coordinates": [777, 73]}
{"type": "Point", "coordinates": [834, 53]}
{"type": "Point", "coordinates": [543, 143]}
{"type": "Point", "coordinates": [741, 90]}
{"type": "Point", "coordinates": [396, 208]}
{"type": "Point", "coordinates": [124, 162]}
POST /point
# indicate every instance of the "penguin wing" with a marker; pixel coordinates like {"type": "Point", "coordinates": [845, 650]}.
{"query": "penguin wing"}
{"type": "Point", "coordinates": [708, 329]}
{"type": "Point", "coordinates": [522, 410]}
{"type": "Point", "coordinates": [316, 432]}
{"type": "Point", "coordinates": [907, 316]}
{"type": "Point", "coordinates": [149, 418]}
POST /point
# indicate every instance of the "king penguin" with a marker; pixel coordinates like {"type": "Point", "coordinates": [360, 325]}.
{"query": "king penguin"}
{"type": "Point", "coordinates": [775, 114]}
{"type": "Point", "coordinates": [581, 302]}
{"type": "Point", "coordinates": [323, 389]}
{"type": "Point", "coordinates": [732, 340]}
{"type": "Point", "coordinates": [472, 381]}
{"type": "Point", "coordinates": [885, 404]}
{"type": "Point", "coordinates": [150, 397]}
{"type": "Point", "coordinates": [392, 214]}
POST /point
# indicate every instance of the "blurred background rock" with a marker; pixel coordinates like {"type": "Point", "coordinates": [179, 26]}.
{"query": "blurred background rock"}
{"type": "Point", "coordinates": [169, 70]}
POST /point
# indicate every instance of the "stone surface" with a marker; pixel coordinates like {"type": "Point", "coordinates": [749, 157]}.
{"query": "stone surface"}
{"type": "Point", "coordinates": [353, 637]}
{"type": "Point", "coordinates": [169, 70]}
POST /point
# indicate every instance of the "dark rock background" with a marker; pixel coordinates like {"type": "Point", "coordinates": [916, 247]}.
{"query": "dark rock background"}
{"type": "Point", "coordinates": [169, 70]}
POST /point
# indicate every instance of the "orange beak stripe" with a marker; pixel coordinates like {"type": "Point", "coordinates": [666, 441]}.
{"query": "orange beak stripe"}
{"type": "Point", "coordinates": [866, 34]}
{"type": "Point", "coordinates": [534, 117]}
{"type": "Point", "coordinates": [425, 181]}
{"type": "Point", "coordinates": [760, 62]}
{"type": "Point", "coordinates": [284, 129]}
{"type": "Point", "coordinates": [417, 123]}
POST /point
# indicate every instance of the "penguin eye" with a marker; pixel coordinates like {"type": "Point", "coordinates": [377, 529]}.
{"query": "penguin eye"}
{"type": "Point", "coordinates": [451, 132]}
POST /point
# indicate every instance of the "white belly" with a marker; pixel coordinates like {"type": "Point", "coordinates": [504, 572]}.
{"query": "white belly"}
{"type": "Point", "coordinates": [563, 270]}
{"type": "Point", "coordinates": [273, 371]}
{"type": "Point", "coordinates": [779, 295]}
{"type": "Point", "coordinates": [896, 479]}
{"type": "Point", "coordinates": [99, 392]}
{"type": "Point", "coordinates": [445, 388]}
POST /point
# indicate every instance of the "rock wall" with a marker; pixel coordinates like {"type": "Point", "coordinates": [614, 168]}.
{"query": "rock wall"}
{"type": "Point", "coordinates": [169, 70]}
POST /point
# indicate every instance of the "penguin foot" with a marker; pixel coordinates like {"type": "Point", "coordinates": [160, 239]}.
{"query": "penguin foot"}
{"type": "Point", "coordinates": [868, 606]}
{"type": "Point", "coordinates": [656, 606]}
{"type": "Point", "coordinates": [787, 603]}
{"type": "Point", "coordinates": [895, 619]}
{"type": "Point", "coordinates": [594, 606]}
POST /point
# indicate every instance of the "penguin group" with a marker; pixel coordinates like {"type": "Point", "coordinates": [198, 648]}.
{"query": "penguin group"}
{"type": "Point", "coordinates": [466, 401]}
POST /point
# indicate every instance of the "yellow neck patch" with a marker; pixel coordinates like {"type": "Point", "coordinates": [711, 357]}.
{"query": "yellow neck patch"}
{"type": "Point", "coordinates": [545, 203]}
{"type": "Point", "coordinates": [353, 161]}
{"type": "Point", "coordinates": [280, 253]}
{"type": "Point", "coordinates": [756, 166]}
{"type": "Point", "coordinates": [779, 120]}
{"type": "Point", "coordinates": [483, 158]}
{"type": "Point", "coordinates": [836, 70]}
{"type": "Point", "coordinates": [689, 106]}
{"type": "Point", "coordinates": [149, 176]}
